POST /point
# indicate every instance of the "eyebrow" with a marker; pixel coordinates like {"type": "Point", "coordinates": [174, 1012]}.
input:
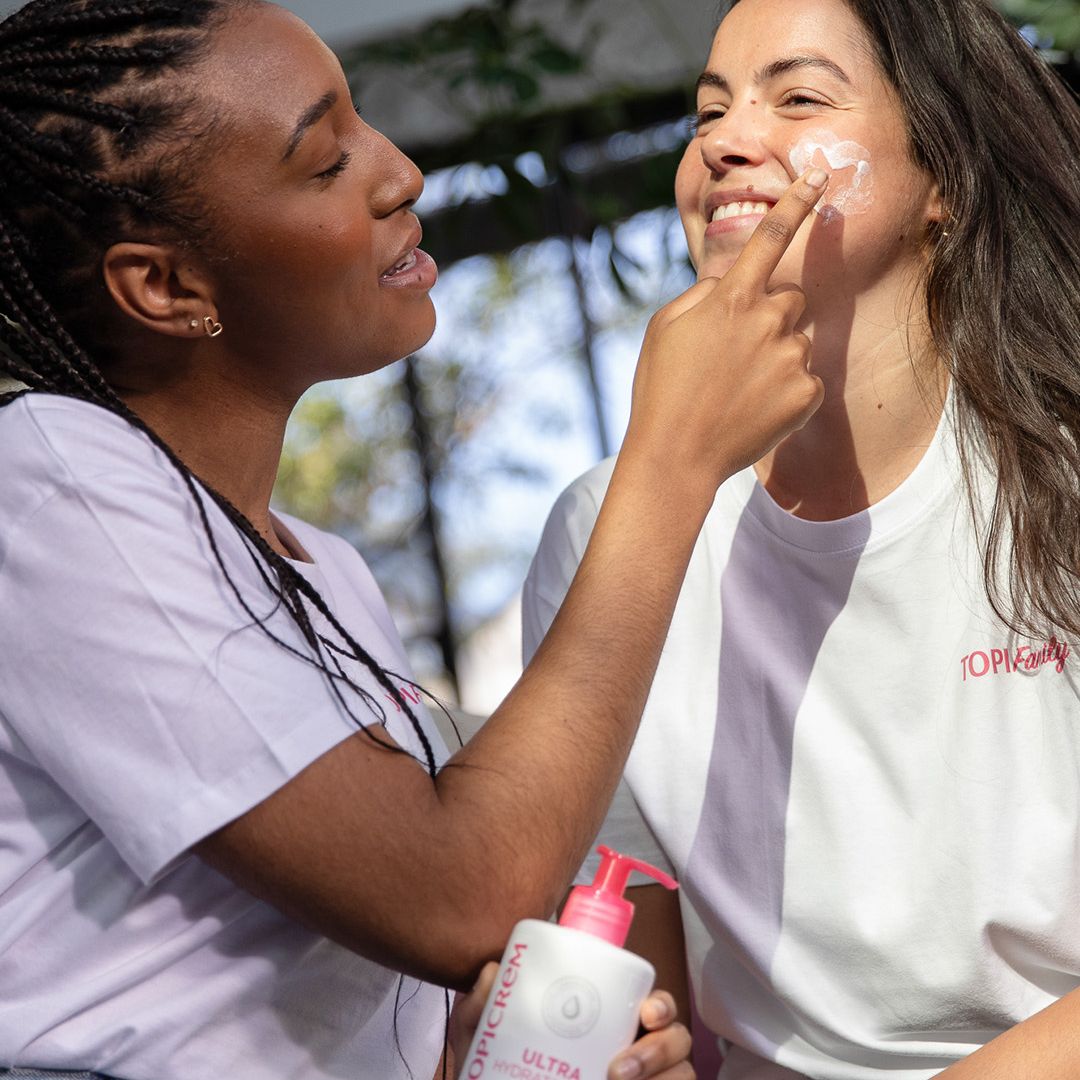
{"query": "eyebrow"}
{"type": "Point", "coordinates": [775, 69]}
{"type": "Point", "coordinates": [310, 118]}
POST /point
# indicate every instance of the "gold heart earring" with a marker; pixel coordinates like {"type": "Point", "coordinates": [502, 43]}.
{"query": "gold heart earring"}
{"type": "Point", "coordinates": [211, 327]}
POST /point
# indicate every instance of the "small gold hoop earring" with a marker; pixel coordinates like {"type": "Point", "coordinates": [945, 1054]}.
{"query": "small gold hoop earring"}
{"type": "Point", "coordinates": [211, 327]}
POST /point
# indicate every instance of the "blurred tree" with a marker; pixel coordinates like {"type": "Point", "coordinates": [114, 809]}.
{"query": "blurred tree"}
{"type": "Point", "coordinates": [383, 466]}
{"type": "Point", "coordinates": [1056, 23]}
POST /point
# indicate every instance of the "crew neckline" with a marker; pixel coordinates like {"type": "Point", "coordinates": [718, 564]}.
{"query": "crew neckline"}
{"type": "Point", "coordinates": [298, 554]}
{"type": "Point", "coordinates": [921, 490]}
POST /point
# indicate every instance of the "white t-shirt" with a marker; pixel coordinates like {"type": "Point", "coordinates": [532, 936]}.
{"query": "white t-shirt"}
{"type": "Point", "coordinates": [867, 787]}
{"type": "Point", "coordinates": [141, 710]}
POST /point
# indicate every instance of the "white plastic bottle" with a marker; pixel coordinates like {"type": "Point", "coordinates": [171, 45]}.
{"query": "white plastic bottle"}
{"type": "Point", "coordinates": [567, 997]}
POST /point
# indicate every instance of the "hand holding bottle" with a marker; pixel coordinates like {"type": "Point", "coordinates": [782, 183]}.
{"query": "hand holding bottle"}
{"type": "Point", "coordinates": [662, 1053]}
{"type": "Point", "coordinates": [567, 998]}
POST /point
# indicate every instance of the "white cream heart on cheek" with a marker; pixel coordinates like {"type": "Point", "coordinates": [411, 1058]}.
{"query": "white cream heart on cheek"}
{"type": "Point", "coordinates": [848, 163]}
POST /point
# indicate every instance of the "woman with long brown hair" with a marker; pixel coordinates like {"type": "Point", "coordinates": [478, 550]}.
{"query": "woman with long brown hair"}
{"type": "Point", "coordinates": [229, 844]}
{"type": "Point", "coordinates": [861, 752]}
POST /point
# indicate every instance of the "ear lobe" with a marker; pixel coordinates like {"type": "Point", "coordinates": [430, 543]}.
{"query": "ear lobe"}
{"type": "Point", "coordinates": [152, 286]}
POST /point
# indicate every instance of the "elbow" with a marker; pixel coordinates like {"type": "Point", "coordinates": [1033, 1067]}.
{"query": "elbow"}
{"type": "Point", "coordinates": [468, 932]}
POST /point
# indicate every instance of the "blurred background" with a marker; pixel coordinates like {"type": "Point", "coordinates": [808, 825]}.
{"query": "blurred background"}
{"type": "Point", "coordinates": [548, 132]}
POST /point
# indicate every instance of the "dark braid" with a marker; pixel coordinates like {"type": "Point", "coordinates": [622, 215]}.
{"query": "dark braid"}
{"type": "Point", "coordinates": [90, 56]}
{"type": "Point", "coordinates": [101, 113]}
{"type": "Point", "coordinates": [69, 18]}
{"type": "Point", "coordinates": [81, 100]}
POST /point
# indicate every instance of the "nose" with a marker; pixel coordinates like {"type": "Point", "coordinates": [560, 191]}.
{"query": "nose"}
{"type": "Point", "coordinates": [734, 139]}
{"type": "Point", "coordinates": [399, 182]}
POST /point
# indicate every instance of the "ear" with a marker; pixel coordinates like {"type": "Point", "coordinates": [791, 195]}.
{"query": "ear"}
{"type": "Point", "coordinates": [157, 286]}
{"type": "Point", "coordinates": [935, 206]}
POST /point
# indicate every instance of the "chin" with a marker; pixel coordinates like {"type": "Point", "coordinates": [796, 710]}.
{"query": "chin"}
{"type": "Point", "coordinates": [424, 328]}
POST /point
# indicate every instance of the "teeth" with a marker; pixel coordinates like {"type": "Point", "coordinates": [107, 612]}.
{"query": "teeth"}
{"type": "Point", "coordinates": [736, 209]}
{"type": "Point", "coordinates": [405, 264]}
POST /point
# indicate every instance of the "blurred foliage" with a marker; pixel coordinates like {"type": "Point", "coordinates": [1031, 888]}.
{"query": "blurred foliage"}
{"type": "Point", "coordinates": [1057, 22]}
{"type": "Point", "coordinates": [485, 62]}
{"type": "Point", "coordinates": [344, 453]}
{"type": "Point", "coordinates": [351, 462]}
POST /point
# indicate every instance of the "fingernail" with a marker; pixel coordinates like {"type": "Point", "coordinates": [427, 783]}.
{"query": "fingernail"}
{"type": "Point", "coordinates": [629, 1068]}
{"type": "Point", "coordinates": [816, 178]}
{"type": "Point", "coordinates": [656, 1011]}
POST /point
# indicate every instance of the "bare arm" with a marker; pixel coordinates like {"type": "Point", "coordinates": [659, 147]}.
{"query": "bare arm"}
{"type": "Point", "coordinates": [1044, 1047]}
{"type": "Point", "coordinates": [657, 934]}
{"type": "Point", "coordinates": [429, 878]}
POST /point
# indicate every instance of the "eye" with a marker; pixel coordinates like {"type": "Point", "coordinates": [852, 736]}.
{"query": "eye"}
{"type": "Point", "coordinates": [337, 168]}
{"type": "Point", "coordinates": [704, 117]}
{"type": "Point", "coordinates": [799, 99]}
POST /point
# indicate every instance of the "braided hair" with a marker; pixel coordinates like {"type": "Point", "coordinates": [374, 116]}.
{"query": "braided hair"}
{"type": "Point", "coordinates": [93, 137]}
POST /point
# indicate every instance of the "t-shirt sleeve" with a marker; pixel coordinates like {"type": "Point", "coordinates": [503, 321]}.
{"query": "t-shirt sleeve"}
{"type": "Point", "coordinates": [133, 674]}
{"type": "Point", "coordinates": [562, 546]}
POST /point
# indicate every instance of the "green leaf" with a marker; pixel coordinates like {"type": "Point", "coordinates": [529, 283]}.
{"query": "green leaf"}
{"type": "Point", "coordinates": [556, 60]}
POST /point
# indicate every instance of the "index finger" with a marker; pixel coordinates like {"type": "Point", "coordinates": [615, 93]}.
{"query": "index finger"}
{"type": "Point", "coordinates": [776, 230]}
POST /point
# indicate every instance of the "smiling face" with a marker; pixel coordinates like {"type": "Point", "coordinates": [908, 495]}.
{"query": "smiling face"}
{"type": "Point", "coordinates": [788, 86]}
{"type": "Point", "coordinates": [313, 242]}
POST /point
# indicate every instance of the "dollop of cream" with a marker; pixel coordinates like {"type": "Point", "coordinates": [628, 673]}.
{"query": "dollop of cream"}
{"type": "Point", "coordinates": [846, 195]}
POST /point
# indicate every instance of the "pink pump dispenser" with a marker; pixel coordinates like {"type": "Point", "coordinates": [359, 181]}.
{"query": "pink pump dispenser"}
{"type": "Point", "coordinates": [567, 997]}
{"type": "Point", "coordinates": [600, 908]}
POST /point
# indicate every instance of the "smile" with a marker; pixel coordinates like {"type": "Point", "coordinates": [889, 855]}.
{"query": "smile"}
{"type": "Point", "coordinates": [739, 209]}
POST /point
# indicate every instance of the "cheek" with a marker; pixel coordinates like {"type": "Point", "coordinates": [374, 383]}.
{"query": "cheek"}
{"type": "Point", "coordinates": [852, 174]}
{"type": "Point", "coordinates": [688, 181]}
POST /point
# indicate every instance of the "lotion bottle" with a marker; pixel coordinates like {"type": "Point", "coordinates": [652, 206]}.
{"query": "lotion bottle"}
{"type": "Point", "coordinates": [567, 998]}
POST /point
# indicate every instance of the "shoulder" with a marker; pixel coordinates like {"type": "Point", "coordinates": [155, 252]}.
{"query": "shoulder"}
{"type": "Point", "coordinates": [561, 547]}
{"type": "Point", "coordinates": [68, 437]}
{"type": "Point", "coordinates": [68, 459]}
{"type": "Point", "coordinates": [579, 504]}
{"type": "Point", "coordinates": [48, 441]}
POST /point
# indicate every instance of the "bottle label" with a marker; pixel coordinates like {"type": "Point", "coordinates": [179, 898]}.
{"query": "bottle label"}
{"type": "Point", "coordinates": [571, 1007]}
{"type": "Point", "coordinates": [552, 1016]}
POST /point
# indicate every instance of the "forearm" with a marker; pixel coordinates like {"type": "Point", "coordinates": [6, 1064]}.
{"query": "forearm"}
{"type": "Point", "coordinates": [1044, 1047]}
{"type": "Point", "coordinates": [550, 757]}
{"type": "Point", "coordinates": [429, 878]}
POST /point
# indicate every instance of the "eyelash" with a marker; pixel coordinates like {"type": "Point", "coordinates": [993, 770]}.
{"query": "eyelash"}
{"type": "Point", "coordinates": [337, 168]}
{"type": "Point", "coordinates": [699, 119]}
{"type": "Point", "coordinates": [342, 162]}
{"type": "Point", "coordinates": [801, 99]}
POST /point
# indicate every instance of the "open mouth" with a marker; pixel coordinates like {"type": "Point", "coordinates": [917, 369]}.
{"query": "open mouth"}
{"type": "Point", "coordinates": [414, 270]}
{"type": "Point", "coordinates": [402, 267]}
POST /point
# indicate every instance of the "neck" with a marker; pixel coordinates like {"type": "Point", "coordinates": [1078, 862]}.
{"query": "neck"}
{"type": "Point", "coordinates": [884, 393]}
{"type": "Point", "coordinates": [228, 436]}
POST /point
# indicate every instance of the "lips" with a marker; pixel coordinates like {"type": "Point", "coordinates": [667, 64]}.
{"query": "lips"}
{"type": "Point", "coordinates": [411, 268]}
{"type": "Point", "coordinates": [406, 252]}
{"type": "Point", "coordinates": [417, 270]}
{"type": "Point", "coordinates": [733, 210]}
{"type": "Point", "coordinates": [406, 263]}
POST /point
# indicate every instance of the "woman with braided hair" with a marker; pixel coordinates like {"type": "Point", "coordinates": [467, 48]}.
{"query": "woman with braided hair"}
{"type": "Point", "coordinates": [229, 845]}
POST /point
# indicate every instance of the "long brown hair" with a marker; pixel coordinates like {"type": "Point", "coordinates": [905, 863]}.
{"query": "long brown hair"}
{"type": "Point", "coordinates": [1000, 133]}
